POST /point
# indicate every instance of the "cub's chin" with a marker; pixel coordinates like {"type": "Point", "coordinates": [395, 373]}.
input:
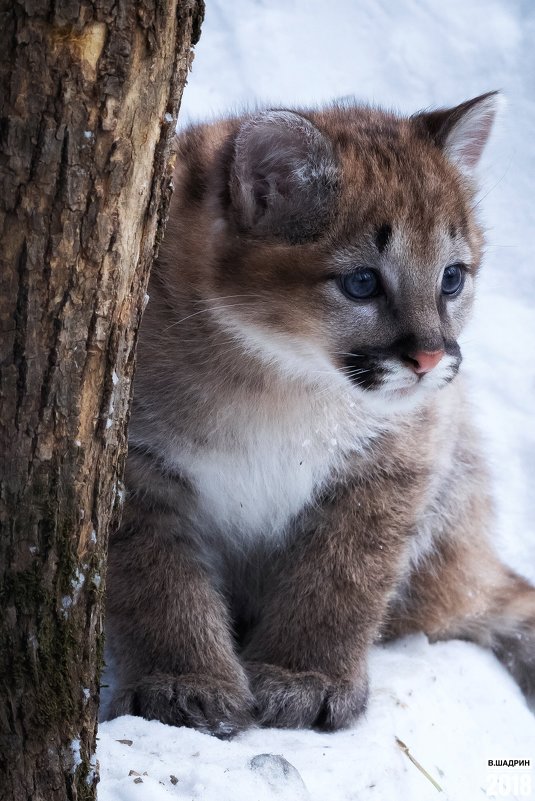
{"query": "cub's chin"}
{"type": "Point", "coordinates": [395, 398]}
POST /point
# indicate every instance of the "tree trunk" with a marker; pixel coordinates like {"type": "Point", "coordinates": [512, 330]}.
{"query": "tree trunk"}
{"type": "Point", "coordinates": [89, 94]}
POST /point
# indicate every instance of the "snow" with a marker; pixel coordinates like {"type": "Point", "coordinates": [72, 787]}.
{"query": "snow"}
{"type": "Point", "coordinates": [77, 583]}
{"type": "Point", "coordinates": [452, 704]}
{"type": "Point", "coordinates": [76, 755]}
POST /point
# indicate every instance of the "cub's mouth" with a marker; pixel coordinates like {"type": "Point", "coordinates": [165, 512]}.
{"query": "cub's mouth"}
{"type": "Point", "coordinates": [402, 374]}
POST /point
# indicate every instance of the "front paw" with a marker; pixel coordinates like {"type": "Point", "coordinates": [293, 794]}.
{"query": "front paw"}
{"type": "Point", "coordinates": [213, 705]}
{"type": "Point", "coordinates": [288, 699]}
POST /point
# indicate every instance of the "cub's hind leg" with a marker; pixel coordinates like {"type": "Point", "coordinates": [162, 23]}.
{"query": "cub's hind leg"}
{"type": "Point", "coordinates": [169, 632]}
{"type": "Point", "coordinates": [462, 590]}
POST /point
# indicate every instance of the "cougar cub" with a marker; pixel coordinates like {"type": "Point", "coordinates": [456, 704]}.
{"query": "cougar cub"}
{"type": "Point", "coordinates": [303, 476]}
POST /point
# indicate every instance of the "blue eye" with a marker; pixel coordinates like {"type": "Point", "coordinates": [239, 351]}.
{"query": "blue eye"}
{"type": "Point", "coordinates": [361, 284]}
{"type": "Point", "coordinates": [452, 279]}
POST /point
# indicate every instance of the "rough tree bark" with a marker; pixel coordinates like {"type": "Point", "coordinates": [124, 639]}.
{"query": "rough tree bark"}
{"type": "Point", "coordinates": [89, 93]}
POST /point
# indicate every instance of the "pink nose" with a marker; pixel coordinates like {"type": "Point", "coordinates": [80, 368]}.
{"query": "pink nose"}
{"type": "Point", "coordinates": [423, 361]}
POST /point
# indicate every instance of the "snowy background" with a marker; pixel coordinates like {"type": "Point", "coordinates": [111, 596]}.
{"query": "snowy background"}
{"type": "Point", "coordinates": [451, 703]}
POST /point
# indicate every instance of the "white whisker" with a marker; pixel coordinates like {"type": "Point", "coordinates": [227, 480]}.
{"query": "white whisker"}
{"type": "Point", "coordinates": [202, 311]}
{"type": "Point", "coordinates": [226, 297]}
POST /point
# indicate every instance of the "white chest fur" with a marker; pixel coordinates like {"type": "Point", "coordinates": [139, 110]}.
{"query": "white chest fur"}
{"type": "Point", "coordinates": [268, 465]}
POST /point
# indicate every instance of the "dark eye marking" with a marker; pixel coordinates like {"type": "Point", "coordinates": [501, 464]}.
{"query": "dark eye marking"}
{"type": "Point", "coordinates": [453, 231]}
{"type": "Point", "coordinates": [382, 236]}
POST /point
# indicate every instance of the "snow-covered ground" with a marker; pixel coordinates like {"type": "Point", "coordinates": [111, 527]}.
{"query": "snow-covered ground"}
{"type": "Point", "coordinates": [451, 703]}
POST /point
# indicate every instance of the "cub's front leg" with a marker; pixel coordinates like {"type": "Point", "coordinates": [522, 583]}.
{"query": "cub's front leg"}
{"type": "Point", "coordinates": [168, 631]}
{"type": "Point", "coordinates": [307, 658]}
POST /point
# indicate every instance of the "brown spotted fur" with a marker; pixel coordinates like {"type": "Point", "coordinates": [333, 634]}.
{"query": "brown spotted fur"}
{"type": "Point", "coordinates": [267, 614]}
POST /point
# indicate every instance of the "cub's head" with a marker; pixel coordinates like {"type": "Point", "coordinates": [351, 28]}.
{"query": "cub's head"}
{"type": "Point", "coordinates": [350, 236]}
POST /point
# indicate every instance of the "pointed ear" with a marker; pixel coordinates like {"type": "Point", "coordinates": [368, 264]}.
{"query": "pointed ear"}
{"type": "Point", "coordinates": [462, 132]}
{"type": "Point", "coordinates": [283, 178]}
